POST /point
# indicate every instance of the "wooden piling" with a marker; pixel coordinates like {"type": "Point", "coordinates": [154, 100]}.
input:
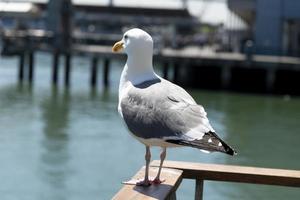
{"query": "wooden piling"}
{"type": "Point", "coordinates": [67, 69]}
{"type": "Point", "coordinates": [165, 70]}
{"type": "Point", "coordinates": [30, 66]}
{"type": "Point", "coordinates": [270, 80]}
{"type": "Point", "coordinates": [199, 189]}
{"type": "Point", "coordinates": [225, 77]}
{"type": "Point", "coordinates": [21, 67]}
{"type": "Point", "coordinates": [176, 72]}
{"type": "Point", "coordinates": [55, 64]}
{"type": "Point", "coordinates": [94, 71]}
{"type": "Point", "coordinates": [106, 72]}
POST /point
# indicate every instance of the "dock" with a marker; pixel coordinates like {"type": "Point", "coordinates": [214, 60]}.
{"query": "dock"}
{"type": "Point", "coordinates": [174, 172]}
{"type": "Point", "coordinates": [194, 67]}
{"type": "Point", "coordinates": [189, 67]}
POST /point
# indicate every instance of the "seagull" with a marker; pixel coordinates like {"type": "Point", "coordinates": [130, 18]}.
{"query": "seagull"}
{"type": "Point", "coordinates": [156, 111]}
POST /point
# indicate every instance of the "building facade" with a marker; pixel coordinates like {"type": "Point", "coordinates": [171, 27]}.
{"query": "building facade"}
{"type": "Point", "coordinates": [273, 24]}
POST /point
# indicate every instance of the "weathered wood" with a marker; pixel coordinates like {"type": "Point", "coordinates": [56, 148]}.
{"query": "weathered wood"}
{"type": "Point", "coordinates": [232, 173]}
{"type": "Point", "coordinates": [94, 71]}
{"type": "Point", "coordinates": [165, 190]}
{"type": "Point", "coordinates": [199, 189]}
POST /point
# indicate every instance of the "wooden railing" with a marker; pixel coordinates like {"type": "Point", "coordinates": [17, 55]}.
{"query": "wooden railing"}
{"type": "Point", "coordinates": [173, 172]}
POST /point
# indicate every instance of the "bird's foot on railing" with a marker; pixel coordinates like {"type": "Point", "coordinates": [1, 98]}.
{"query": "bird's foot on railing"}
{"type": "Point", "coordinates": [138, 182]}
{"type": "Point", "coordinates": [157, 181]}
{"type": "Point", "coordinates": [143, 182]}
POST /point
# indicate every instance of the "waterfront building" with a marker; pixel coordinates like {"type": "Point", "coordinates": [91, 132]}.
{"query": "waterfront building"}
{"type": "Point", "coordinates": [273, 25]}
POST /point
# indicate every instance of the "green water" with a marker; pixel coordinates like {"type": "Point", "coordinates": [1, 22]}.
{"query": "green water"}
{"type": "Point", "coordinates": [71, 144]}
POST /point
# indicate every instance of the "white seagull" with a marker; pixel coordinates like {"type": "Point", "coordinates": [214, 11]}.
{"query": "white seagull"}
{"type": "Point", "coordinates": [156, 111]}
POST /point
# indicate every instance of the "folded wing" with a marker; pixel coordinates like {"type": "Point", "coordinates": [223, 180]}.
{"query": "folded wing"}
{"type": "Point", "coordinates": [166, 111]}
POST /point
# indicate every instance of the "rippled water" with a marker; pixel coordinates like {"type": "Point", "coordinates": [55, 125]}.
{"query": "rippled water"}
{"type": "Point", "coordinates": [66, 144]}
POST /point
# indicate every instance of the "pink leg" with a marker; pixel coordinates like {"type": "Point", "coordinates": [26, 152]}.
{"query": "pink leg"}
{"type": "Point", "coordinates": [146, 181]}
{"type": "Point", "coordinates": [162, 158]}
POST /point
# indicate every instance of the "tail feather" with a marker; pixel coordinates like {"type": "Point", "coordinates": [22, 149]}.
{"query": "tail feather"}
{"type": "Point", "coordinates": [209, 142]}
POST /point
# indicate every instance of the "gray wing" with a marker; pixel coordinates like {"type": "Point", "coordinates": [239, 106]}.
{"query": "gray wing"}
{"type": "Point", "coordinates": [163, 110]}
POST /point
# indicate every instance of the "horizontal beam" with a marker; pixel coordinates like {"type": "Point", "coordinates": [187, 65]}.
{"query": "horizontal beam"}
{"type": "Point", "coordinates": [255, 175]}
{"type": "Point", "coordinates": [197, 55]}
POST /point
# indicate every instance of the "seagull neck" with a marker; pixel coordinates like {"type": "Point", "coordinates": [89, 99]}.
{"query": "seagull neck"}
{"type": "Point", "coordinates": [139, 69]}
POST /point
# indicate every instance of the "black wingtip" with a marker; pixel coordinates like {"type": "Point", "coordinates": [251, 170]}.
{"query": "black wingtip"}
{"type": "Point", "coordinates": [231, 151]}
{"type": "Point", "coordinates": [228, 149]}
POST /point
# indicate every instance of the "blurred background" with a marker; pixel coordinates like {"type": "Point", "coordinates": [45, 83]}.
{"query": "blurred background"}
{"type": "Point", "coordinates": [61, 136]}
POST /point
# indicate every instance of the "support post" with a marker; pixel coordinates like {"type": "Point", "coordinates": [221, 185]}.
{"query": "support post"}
{"type": "Point", "coordinates": [94, 70]}
{"type": "Point", "coordinates": [30, 66]}
{"type": "Point", "coordinates": [165, 70]}
{"type": "Point", "coordinates": [67, 69]}
{"type": "Point", "coordinates": [55, 67]}
{"type": "Point", "coordinates": [172, 196]}
{"type": "Point", "coordinates": [270, 80]}
{"type": "Point", "coordinates": [176, 72]}
{"type": "Point", "coordinates": [225, 76]}
{"type": "Point", "coordinates": [199, 189]}
{"type": "Point", "coordinates": [106, 72]}
{"type": "Point", "coordinates": [21, 67]}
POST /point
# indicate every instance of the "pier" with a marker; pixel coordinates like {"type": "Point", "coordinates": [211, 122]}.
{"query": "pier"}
{"type": "Point", "coordinates": [192, 66]}
{"type": "Point", "coordinates": [174, 172]}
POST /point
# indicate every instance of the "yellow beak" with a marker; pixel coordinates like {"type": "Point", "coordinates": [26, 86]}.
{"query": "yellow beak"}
{"type": "Point", "coordinates": [118, 46]}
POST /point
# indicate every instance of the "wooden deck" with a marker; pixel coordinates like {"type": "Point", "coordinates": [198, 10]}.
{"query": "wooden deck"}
{"type": "Point", "coordinates": [174, 172]}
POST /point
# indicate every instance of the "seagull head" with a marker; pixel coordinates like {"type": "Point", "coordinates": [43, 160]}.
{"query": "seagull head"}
{"type": "Point", "coordinates": [135, 42]}
{"type": "Point", "coordinates": [138, 45]}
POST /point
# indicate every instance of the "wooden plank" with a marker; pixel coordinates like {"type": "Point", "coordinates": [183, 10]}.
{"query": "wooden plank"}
{"type": "Point", "coordinates": [232, 173]}
{"type": "Point", "coordinates": [165, 190]}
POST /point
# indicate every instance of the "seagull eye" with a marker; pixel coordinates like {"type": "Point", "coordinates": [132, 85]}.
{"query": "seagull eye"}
{"type": "Point", "coordinates": [125, 37]}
